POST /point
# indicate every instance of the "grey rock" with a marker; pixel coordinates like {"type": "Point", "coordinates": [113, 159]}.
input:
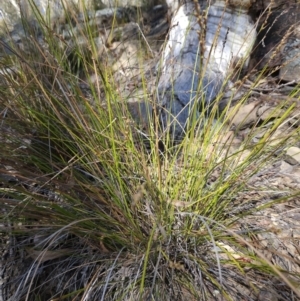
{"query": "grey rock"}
{"type": "Point", "coordinates": [9, 15]}
{"type": "Point", "coordinates": [115, 3]}
{"type": "Point", "coordinates": [138, 3]}
{"type": "Point", "coordinates": [290, 69]}
{"type": "Point", "coordinates": [51, 10]}
{"type": "Point", "coordinates": [188, 83]}
{"type": "Point", "coordinates": [293, 155]}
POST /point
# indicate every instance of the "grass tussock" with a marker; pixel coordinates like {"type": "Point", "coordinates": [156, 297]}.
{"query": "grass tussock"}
{"type": "Point", "coordinates": [92, 213]}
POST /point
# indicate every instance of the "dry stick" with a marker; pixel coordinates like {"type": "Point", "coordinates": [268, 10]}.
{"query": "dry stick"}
{"type": "Point", "coordinates": [138, 26]}
{"type": "Point", "coordinates": [250, 85]}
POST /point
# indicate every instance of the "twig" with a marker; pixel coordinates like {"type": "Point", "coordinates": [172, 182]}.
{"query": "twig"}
{"type": "Point", "coordinates": [138, 26]}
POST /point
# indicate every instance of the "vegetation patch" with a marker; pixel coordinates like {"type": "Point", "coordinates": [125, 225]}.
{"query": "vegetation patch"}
{"type": "Point", "coordinates": [95, 206]}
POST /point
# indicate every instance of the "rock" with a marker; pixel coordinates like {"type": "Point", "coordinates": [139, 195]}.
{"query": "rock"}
{"type": "Point", "coordinates": [257, 110]}
{"type": "Point", "coordinates": [100, 19]}
{"type": "Point", "coordinates": [187, 83]}
{"type": "Point", "coordinates": [138, 3]}
{"type": "Point", "coordinates": [245, 115]}
{"type": "Point", "coordinates": [286, 167]}
{"type": "Point", "coordinates": [278, 42]}
{"type": "Point", "coordinates": [172, 5]}
{"type": "Point", "coordinates": [9, 15]}
{"type": "Point", "coordinates": [293, 155]}
{"type": "Point", "coordinates": [267, 295]}
{"type": "Point", "coordinates": [11, 11]}
{"type": "Point", "coordinates": [290, 70]}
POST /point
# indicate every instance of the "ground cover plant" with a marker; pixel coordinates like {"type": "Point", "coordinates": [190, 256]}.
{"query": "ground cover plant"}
{"type": "Point", "coordinates": [94, 208]}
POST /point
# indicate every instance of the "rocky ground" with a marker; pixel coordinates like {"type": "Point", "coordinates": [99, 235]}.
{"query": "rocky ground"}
{"type": "Point", "coordinates": [277, 227]}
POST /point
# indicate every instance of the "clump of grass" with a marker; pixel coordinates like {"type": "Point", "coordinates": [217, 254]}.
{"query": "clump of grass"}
{"type": "Point", "coordinates": [92, 215]}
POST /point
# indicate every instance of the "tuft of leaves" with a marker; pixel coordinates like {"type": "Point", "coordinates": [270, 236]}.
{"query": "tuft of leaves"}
{"type": "Point", "coordinates": [91, 214]}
